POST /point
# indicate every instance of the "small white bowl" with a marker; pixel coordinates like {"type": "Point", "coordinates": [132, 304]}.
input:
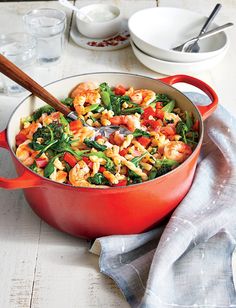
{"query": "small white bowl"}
{"type": "Point", "coordinates": [157, 30]}
{"type": "Point", "coordinates": [172, 68]}
{"type": "Point", "coordinates": [98, 28]}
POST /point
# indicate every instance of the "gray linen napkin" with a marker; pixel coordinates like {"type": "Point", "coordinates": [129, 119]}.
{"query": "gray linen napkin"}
{"type": "Point", "coordinates": [188, 262]}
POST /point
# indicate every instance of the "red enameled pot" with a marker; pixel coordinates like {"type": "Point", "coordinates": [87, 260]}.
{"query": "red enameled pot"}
{"type": "Point", "coordinates": [94, 212]}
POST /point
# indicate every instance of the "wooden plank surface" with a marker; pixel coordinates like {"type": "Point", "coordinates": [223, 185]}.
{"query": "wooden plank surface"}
{"type": "Point", "coordinates": [40, 266]}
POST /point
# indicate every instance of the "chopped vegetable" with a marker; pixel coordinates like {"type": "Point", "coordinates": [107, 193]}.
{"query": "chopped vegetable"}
{"type": "Point", "coordinates": [119, 90]}
{"type": "Point", "coordinates": [68, 101]}
{"type": "Point", "coordinates": [165, 165]}
{"type": "Point", "coordinates": [94, 144]}
{"type": "Point", "coordinates": [132, 110]}
{"type": "Point", "coordinates": [121, 183]}
{"type": "Point", "coordinates": [144, 141]}
{"type": "Point", "coordinates": [139, 132]}
{"type": "Point", "coordinates": [41, 162]}
{"type": "Point", "coordinates": [137, 160]}
{"type": "Point", "coordinates": [98, 179]}
{"type": "Point", "coordinates": [189, 121]}
{"type": "Point", "coordinates": [148, 112]}
{"type": "Point", "coordinates": [152, 174]}
{"type": "Point", "coordinates": [70, 159]}
{"type": "Point", "coordinates": [169, 107]}
{"type": "Point", "coordinates": [75, 125]}
{"type": "Point", "coordinates": [20, 138]}
{"type": "Point", "coordinates": [49, 169]}
{"type": "Point", "coordinates": [182, 129]}
{"type": "Point", "coordinates": [45, 109]}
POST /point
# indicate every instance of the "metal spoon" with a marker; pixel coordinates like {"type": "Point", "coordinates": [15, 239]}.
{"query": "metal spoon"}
{"type": "Point", "coordinates": [74, 8]}
{"type": "Point", "coordinates": [13, 72]}
{"type": "Point", "coordinates": [204, 28]}
{"type": "Point", "coordinates": [195, 47]}
{"type": "Point", "coordinates": [185, 46]}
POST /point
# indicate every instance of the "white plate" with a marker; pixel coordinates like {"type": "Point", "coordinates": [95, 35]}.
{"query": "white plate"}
{"type": "Point", "coordinates": [172, 68]}
{"type": "Point", "coordinates": [157, 30]}
{"type": "Point", "coordinates": [84, 41]}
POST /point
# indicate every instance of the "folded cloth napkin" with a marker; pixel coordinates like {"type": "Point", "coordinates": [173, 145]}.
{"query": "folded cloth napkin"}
{"type": "Point", "coordinates": [188, 262]}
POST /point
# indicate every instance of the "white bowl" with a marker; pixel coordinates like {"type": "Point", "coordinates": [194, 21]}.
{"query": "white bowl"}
{"type": "Point", "coordinates": [172, 68]}
{"type": "Point", "coordinates": [157, 30]}
{"type": "Point", "coordinates": [100, 28]}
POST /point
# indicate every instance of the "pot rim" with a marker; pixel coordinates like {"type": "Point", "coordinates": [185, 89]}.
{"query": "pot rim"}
{"type": "Point", "coordinates": [110, 188]}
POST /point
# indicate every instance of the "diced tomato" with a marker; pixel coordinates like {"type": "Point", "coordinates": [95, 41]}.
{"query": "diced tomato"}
{"type": "Point", "coordinates": [119, 120]}
{"type": "Point", "coordinates": [147, 113]}
{"type": "Point", "coordinates": [168, 130]}
{"type": "Point", "coordinates": [119, 90]}
{"type": "Point", "coordinates": [86, 160]}
{"type": "Point", "coordinates": [20, 138]}
{"type": "Point", "coordinates": [102, 169]}
{"type": "Point", "coordinates": [144, 141]}
{"type": "Point", "coordinates": [121, 183]}
{"type": "Point", "coordinates": [196, 126]}
{"type": "Point", "coordinates": [70, 159]}
{"type": "Point", "coordinates": [123, 152]}
{"type": "Point", "coordinates": [41, 162]}
{"type": "Point", "coordinates": [90, 165]}
{"type": "Point", "coordinates": [111, 138]}
{"type": "Point", "coordinates": [98, 137]}
{"type": "Point", "coordinates": [159, 105]}
{"type": "Point", "coordinates": [159, 114]}
{"type": "Point", "coordinates": [75, 125]}
{"type": "Point", "coordinates": [154, 124]}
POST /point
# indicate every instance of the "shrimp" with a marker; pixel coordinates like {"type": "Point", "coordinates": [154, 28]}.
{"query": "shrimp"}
{"type": "Point", "coordinates": [82, 87]}
{"type": "Point", "coordinates": [85, 96]}
{"type": "Point", "coordinates": [142, 97]}
{"type": "Point", "coordinates": [131, 121]}
{"type": "Point", "coordinates": [177, 150]}
{"type": "Point", "coordinates": [78, 173]}
{"type": "Point", "coordinates": [30, 130]}
{"type": "Point", "coordinates": [25, 154]}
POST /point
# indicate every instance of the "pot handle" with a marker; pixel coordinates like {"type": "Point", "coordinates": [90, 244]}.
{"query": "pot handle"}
{"type": "Point", "coordinates": [205, 111]}
{"type": "Point", "coordinates": [26, 180]}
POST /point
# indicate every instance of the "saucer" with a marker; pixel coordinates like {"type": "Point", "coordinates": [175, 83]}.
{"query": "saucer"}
{"type": "Point", "coordinates": [117, 41]}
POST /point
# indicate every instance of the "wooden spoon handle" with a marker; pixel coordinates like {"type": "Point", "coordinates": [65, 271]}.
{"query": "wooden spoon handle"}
{"type": "Point", "coordinates": [15, 73]}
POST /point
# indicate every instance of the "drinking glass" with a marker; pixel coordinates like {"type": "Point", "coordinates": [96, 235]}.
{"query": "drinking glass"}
{"type": "Point", "coordinates": [20, 48]}
{"type": "Point", "coordinates": [48, 27]}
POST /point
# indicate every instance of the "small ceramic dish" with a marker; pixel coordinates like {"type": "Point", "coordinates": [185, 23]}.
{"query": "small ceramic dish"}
{"type": "Point", "coordinates": [102, 20]}
{"type": "Point", "coordinates": [117, 41]}
{"type": "Point", "coordinates": [157, 30]}
{"type": "Point", "coordinates": [171, 68]}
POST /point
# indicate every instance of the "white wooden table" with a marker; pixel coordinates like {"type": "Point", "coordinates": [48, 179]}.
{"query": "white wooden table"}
{"type": "Point", "coordinates": [40, 266]}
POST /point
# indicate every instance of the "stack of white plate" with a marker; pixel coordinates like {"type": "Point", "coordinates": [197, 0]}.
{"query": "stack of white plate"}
{"type": "Point", "coordinates": [155, 31]}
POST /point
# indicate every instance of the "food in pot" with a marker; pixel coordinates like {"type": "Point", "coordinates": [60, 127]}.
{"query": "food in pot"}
{"type": "Point", "coordinates": [162, 136]}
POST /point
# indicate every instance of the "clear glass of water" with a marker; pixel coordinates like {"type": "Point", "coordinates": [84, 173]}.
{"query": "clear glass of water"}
{"type": "Point", "coordinates": [19, 48]}
{"type": "Point", "coordinates": [48, 27]}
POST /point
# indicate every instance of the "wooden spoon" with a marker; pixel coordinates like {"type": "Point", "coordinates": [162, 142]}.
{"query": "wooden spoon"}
{"type": "Point", "coordinates": [15, 73]}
